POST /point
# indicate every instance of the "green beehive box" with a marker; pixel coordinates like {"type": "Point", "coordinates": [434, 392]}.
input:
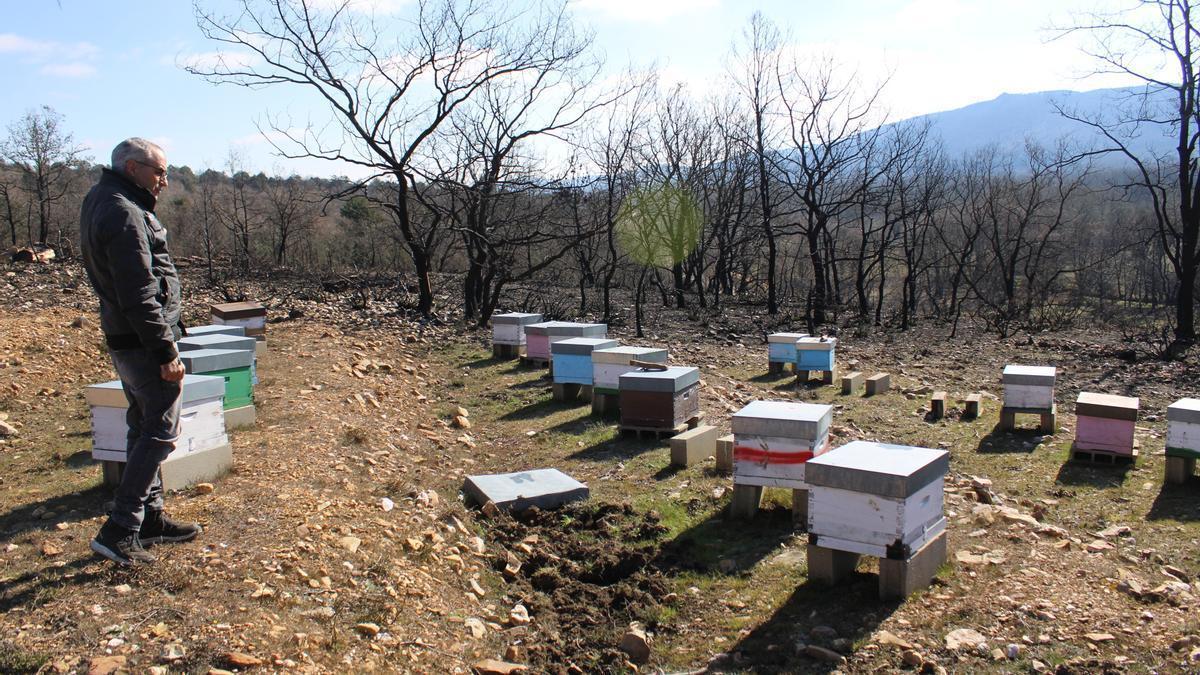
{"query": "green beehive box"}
{"type": "Point", "coordinates": [239, 388]}
{"type": "Point", "coordinates": [235, 365]}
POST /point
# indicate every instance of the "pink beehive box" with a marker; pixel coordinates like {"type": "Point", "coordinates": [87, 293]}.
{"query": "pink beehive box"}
{"type": "Point", "coordinates": [1105, 422]}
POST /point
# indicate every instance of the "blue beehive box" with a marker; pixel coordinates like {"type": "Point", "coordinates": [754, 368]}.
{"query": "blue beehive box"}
{"type": "Point", "coordinates": [781, 347]}
{"type": "Point", "coordinates": [815, 353]}
{"type": "Point", "coordinates": [573, 359]}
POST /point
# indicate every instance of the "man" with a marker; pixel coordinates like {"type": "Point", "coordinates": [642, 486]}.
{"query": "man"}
{"type": "Point", "coordinates": [125, 253]}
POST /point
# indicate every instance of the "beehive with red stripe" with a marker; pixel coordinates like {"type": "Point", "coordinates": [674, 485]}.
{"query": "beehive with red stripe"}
{"type": "Point", "coordinates": [772, 441]}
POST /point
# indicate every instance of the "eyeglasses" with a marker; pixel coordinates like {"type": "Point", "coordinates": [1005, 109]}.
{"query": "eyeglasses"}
{"type": "Point", "coordinates": [159, 171]}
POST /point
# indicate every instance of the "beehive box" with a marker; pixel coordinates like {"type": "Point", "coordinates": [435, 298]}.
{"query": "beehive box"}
{"type": "Point", "coordinates": [876, 498]}
{"type": "Point", "coordinates": [1029, 387]}
{"type": "Point", "coordinates": [1105, 422]}
{"type": "Point", "coordinates": [573, 358]}
{"type": "Point", "coordinates": [509, 329]}
{"type": "Point", "coordinates": [815, 353]}
{"type": "Point", "coordinates": [201, 420]}
{"type": "Point", "coordinates": [781, 347]}
{"type": "Point", "coordinates": [249, 315]}
{"type": "Point", "coordinates": [539, 336]}
{"type": "Point", "coordinates": [222, 341]}
{"type": "Point", "coordinates": [773, 440]}
{"type": "Point", "coordinates": [215, 329]}
{"type": "Point", "coordinates": [1183, 428]}
{"type": "Point", "coordinates": [608, 365]}
{"type": "Point", "coordinates": [659, 399]}
{"type": "Point", "coordinates": [231, 364]}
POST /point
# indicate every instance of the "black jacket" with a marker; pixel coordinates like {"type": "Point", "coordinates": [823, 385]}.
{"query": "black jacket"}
{"type": "Point", "coordinates": [125, 253]}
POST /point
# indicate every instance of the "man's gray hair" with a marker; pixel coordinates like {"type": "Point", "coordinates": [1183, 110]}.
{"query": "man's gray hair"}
{"type": "Point", "coordinates": [137, 149]}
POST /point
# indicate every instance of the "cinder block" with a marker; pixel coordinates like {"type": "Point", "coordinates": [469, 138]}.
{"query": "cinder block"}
{"type": "Point", "coordinates": [878, 383]}
{"type": "Point", "coordinates": [503, 351]}
{"type": "Point", "coordinates": [240, 418]}
{"type": "Point", "coordinates": [899, 578]}
{"type": "Point", "coordinates": [799, 506]}
{"type": "Point", "coordinates": [829, 565]}
{"type": "Point", "coordinates": [694, 445]}
{"type": "Point", "coordinates": [937, 405]}
{"type": "Point", "coordinates": [746, 500]}
{"type": "Point", "coordinates": [196, 467]}
{"type": "Point", "coordinates": [725, 454]}
{"type": "Point", "coordinates": [1179, 469]}
{"type": "Point", "coordinates": [973, 406]}
{"type": "Point", "coordinates": [851, 382]}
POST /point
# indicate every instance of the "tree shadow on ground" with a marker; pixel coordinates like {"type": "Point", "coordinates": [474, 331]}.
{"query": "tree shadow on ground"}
{"type": "Point", "coordinates": [620, 447]}
{"type": "Point", "coordinates": [540, 383]}
{"type": "Point", "coordinates": [69, 508]}
{"type": "Point", "coordinates": [852, 608]}
{"type": "Point", "coordinates": [773, 377]}
{"type": "Point", "coordinates": [998, 441]}
{"type": "Point", "coordinates": [667, 471]}
{"type": "Point", "coordinates": [35, 587]}
{"type": "Point", "coordinates": [487, 362]}
{"type": "Point", "coordinates": [1177, 501]}
{"type": "Point", "coordinates": [1095, 475]}
{"type": "Point", "coordinates": [720, 544]}
{"type": "Point", "coordinates": [536, 410]}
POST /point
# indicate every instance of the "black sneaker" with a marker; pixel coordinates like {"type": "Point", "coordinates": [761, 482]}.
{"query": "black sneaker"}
{"type": "Point", "coordinates": [120, 545]}
{"type": "Point", "coordinates": [158, 528]}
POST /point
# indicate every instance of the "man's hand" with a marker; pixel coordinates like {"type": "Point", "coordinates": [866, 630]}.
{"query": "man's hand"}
{"type": "Point", "coordinates": [173, 371]}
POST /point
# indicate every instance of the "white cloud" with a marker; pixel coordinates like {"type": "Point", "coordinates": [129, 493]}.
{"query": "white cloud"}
{"type": "Point", "coordinates": [41, 50]}
{"type": "Point", "coordinates": [651, 11]}
{"type": "Point", "coordinates": [68, 69]}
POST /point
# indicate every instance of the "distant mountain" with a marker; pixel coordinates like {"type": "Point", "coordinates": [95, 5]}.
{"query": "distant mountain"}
{"type": "Point", "coordinates": [1007, 120]}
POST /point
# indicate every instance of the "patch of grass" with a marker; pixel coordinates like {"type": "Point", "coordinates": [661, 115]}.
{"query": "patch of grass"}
{"type": "Point", "coordinates": [18, 661]}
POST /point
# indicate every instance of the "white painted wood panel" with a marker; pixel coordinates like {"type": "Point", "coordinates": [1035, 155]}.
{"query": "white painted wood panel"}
{"type": "Point", "coordinates": [1028, 396]}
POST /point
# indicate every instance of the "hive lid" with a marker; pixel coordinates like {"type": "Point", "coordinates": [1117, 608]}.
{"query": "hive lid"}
{"type": "Point", "coordinates": [215, 329]}
{"type": "Point", "coordinates": [210, 360]}
{"type": "Point", "coordinates": [543, 488]}
{"type": "Point", "coordinates": [816, 344]}
{"type": "Point", "coordinates": [673, 379]}
{"type": "Point", "coordinates": [195, 388]}
{"type": "Point", "coordinates": [1038, 376]}
{"type": "Point", "coordinates": [1184, 410]}
{"type": "Point", "coordinates": [895, 471]}
{"type": "Point", "coordinates": [782, 419]}
{"type": "Point", "coordinates": [581, 346]}
{"type": "Point", "coordinates": [238, 310]}
{"type": "Point", "coordinates": [515, 318]}
{"type": "Point", "coordinates": [1109, 406]}
{"type": "Point", "coordinates": [623, 354]}
{"type": "Point", "coordinates": [216, 341]}
{"type": "Point", "coordinates": [785, 337]}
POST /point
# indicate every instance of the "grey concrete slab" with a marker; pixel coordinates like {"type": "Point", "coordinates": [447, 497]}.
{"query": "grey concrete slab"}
{"type": "Point", "coordinates": [543, 488]}
{"type": "Point", "coordinates": [673, 379]}
{"type": "Point", "coordinates": [516, 318]}
{"type": "Point", "coordinates": [896, 471]}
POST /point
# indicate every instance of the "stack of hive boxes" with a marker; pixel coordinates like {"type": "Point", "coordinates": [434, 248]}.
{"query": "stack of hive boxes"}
{"type": "Point", "coordinates": [880, 500]}
{"type": "Point", "coordinates": [659, 399]}
{"type": "Point", "coordinates": [539, 336]}
{"type": "Point", "coordinates": [772, 442]}
{"type": "Point", "coordinates": [250, 316]}
{"type": "Point", "coordinates": [235, 417]}
{"type": "Point", "coordinates": [1183, 439]}
{"type": "Point", "coordinates": [1104, 423]}
{"type": "Point", "coordinates": [508, 333]}
{"type": "Point", "coordinates": [573, 365]}
{"type": "Point", "coordinates": [781, 350]}
{"type": "Point", "coordinates": [202, 451]}
{"type": "Point", "coordinates": [816, 353]}
{"type": "Point", "coordinates": [608, 365]}
{"type": "Point", "coordinates": [1029, 390]}
{"type": "Point", "coordinates": [215, 329]}
{"type": "Point", "coordinates": [233, 366]}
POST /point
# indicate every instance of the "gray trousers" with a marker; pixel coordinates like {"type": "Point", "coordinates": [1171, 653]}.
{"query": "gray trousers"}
{"type": "Point", "coordinates": [153, 428]}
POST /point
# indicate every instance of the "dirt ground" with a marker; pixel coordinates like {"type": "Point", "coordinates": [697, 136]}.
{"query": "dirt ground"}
{"type": "Point", "coordinates": [340, 542]}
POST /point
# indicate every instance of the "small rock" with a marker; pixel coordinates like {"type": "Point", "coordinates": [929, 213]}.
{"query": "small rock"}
{"type": "Point", "coordinates": [1172, 571]}
{"type": "Point", "coordinates": [1099, 546]}
{"type": "Point", "coordinates": [964, 638]}
{"type": "Point", "coordinates": [351, 544]}
{"type": "Point", "coordinates": [386, 504]}
{"type": "Point", "coordinates": [636, 644]}
{"type": "Point", "coordinates": [494, 667]}
{"type": "Point", "coordinates": [367, 628]}
{"type": "Point", "coordinates": [912, 658]}
{"type": "Point", "coordinates": [240, 660]}
{"type": "Point", "coordinates": [105, 665]}
{"type": "Point", "coordinates": [475, 627]}
{"type": "Point", "coordinates": [518, 615]}
{"type": "Point", "coordinates": [462, 422]}
{"type": "Point", "coordinates": [823, 633]}
{"type": "Point", "coordinates": [823, 654]}
{"type": "Point", "coordinates": [1097, 638]}
{"type": "Point", "coordinates": [204, 488]}
{"type": "Point", "coordinates": [428, 498]}
{"type": "Point", "coordinates": [889, 639]}
{"type": "Point", "coordinates": [1013, 651]}
{"type": "Point", "coordinates": [122, 589]}
{"type": "Point", "coordinates": [51, 549]}
{"type": "Point", "coordinates": [7, 429]}
{"type": "Point", "coordinates": [173, 652]}
{"type": "Point", "coordinates": [998, 654]}
{"type": "Point", "coordinates": [514, 653]}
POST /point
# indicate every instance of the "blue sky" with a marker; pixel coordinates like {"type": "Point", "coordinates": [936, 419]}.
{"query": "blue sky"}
{"type": "Point", "coordinates": [112, 68]}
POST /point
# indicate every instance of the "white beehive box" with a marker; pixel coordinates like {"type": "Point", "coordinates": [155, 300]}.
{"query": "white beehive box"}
{"type": "Point", "coordinates": [876, 499]}
{"type": "Point", "coordinates": [608, 365]}
{"type": "Point", "coordinates": [1183, 427]}
{"type": "Point", "coordinates": [509, 329]}
{"type": "Point", "coordinates": [781, 347]}
{"type": "Point", "coordinates": [773, 440]}
{"type": "Point", "coordinates": [201, 419]}
{"type": "Point", "coordinates": [1030, 387]}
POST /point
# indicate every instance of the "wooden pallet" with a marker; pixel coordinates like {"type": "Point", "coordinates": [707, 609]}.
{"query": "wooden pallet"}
{"type": "Point", "coordinates": [534, 362]}
{"type": "Point", "coordinates": [1102, 458]}
{"type": "Point", "coordinates": [803, 376]}
{"type": "Point", "coordinates": [660, 432]}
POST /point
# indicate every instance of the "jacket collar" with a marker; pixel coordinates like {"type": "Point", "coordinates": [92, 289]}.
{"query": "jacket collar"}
{"type": "Point", "coordinates": [143, 197]}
